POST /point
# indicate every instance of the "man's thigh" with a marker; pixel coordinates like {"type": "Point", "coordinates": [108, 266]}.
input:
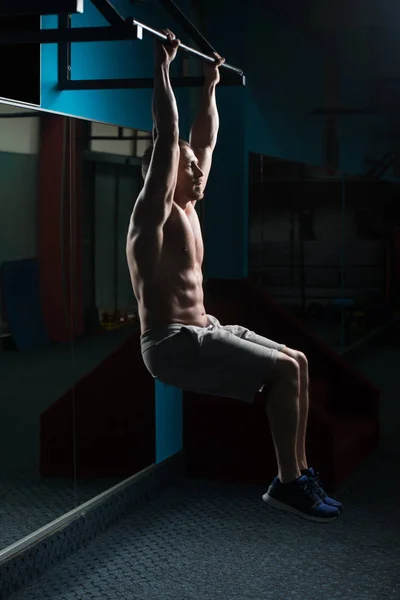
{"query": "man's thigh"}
{"type": "Point", "coordinates": [215, 361]}
{"type": "Point", "coordinates": [238, 361]}
{"type": "Point", "coordinates": [250, 336]}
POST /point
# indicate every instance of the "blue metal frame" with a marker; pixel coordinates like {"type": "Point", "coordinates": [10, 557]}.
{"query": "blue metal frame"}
{"type": "Point", "coordinates": [119, 29]}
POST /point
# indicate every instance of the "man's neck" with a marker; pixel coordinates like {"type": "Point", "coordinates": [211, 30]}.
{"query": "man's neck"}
{"type": "Point", "coordinates": [186, 206]}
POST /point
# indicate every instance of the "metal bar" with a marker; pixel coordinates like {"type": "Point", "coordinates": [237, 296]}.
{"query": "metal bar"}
{"type": "Point", "coordinates": [74, 34]}
{"type": "Point", "coordinates": [163, 37]}
{"type": "Point", "coordinates": [187, 26]}
{"type": "Point", "coordinates": [12, 8]}
{"type": "Point", "coordinates": [130, 31]}
{"type": "Point", "coordinates": [64, 51]}
{"type": "Point", "coordinates": [109, 12]}
{"type": "Point", "coordinates": [123, 84]}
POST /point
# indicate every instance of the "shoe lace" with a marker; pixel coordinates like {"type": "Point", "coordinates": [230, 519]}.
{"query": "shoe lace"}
{"type": "Point", "coordinates": [317, 484]}
{"type": "Point", "coordinates": [312, 489]}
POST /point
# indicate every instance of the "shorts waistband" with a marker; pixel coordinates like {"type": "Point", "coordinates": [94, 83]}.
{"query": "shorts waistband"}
{"type": "Point", "coordinates": [157, 334]}
{"type": "Point", "coordinates": [160, 333]}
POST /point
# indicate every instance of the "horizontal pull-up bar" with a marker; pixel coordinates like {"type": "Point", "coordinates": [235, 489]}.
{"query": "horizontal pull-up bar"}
{"type": "Point", "coordinates": [109, 12]}
{"type": "Point", "coordinates": [131, 30]}
{"type": "Point", "coordinates": [161, 36]}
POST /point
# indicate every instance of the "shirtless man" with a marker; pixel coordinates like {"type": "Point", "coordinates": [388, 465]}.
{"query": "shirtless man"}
{"type": "Point", "coordinates": [183, 346]}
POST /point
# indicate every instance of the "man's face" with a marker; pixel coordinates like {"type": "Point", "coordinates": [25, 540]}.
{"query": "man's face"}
{"type": "Point", "coordinates": [189, 182]}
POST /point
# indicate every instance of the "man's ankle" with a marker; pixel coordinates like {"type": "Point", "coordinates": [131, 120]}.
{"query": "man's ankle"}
{"type": "Point", "coordinates": [289, 477]}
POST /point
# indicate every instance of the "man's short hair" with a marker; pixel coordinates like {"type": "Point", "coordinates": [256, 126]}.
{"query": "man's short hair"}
{"type": "Point", "coordinates": [146, 159]}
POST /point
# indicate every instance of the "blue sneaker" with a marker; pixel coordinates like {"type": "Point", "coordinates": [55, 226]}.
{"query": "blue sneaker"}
{"type": "Point", "coordinates": [313, 477]}
{"type": "Point", "coordinates": [299, 498]}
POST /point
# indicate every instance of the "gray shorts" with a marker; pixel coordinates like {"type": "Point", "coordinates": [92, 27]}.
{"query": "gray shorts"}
{"type": "Point", "coordinates": [219, 360]}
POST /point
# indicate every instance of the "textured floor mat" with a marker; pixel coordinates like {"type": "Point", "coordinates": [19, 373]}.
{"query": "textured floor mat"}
{"type": "Point", "coordinates": [208, 540]}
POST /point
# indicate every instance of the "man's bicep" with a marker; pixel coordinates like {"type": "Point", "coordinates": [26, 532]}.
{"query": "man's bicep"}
{"type": "Point", "coordinates": [156, 197]}
{"type": "Point", "coordinates": [204, 157]}
{"type": "Point", "coordinates": [163, 168]}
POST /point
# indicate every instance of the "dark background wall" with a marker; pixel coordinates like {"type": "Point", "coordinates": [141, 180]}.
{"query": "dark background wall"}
{"type": "Point", "coordinates": [297, 58]}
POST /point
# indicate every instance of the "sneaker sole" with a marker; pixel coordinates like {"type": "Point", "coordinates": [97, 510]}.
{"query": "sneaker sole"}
{"type": "Point", "coordinates": [287, 508]}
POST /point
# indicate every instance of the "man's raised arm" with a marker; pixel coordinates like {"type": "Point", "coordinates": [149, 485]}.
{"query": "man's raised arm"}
{"type": "Point", "coordinates": [165, 109]}
{"type": "Point", "coordinates": [204, 132]}
{"type": "Point", "coordinates": [154, 203]}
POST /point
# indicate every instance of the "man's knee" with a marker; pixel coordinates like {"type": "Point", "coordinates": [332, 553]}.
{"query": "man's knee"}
{"type": "Point", "coordinates": [302, 360]}
{"type": "Point", "coordinates": [299, 357]}
{"type": "Point", "coordinates": [287, 368]}
{"type": "Point", "coordinates": [286, 374]}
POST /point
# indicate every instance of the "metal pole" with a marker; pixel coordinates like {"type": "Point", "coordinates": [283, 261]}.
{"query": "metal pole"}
{"type": "Point", "coordinates": [64, 51]}
{"type": "Point", "coordinates": [164, 38]}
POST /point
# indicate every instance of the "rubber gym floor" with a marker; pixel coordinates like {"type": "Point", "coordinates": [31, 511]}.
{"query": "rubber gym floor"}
{"type": "Point", "coordinates": [203, 539]}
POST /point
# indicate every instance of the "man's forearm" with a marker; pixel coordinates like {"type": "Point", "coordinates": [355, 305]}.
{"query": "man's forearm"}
{"type": "Point", "coordinates": [165, 109]}
{"type": "Point", "coordinates": [204, 131]}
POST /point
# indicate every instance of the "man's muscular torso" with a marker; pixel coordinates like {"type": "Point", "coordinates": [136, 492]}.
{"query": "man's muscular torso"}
{"type": "Point", "coordinates": [166, 273]}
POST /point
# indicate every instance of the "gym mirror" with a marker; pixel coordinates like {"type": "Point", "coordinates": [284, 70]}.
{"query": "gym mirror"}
{"type": "Point", "coordinates": [67, 316]}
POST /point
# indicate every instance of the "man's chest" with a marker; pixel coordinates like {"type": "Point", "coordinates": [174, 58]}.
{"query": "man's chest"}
{"type": "Point", "coordinates": [183, 238]}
